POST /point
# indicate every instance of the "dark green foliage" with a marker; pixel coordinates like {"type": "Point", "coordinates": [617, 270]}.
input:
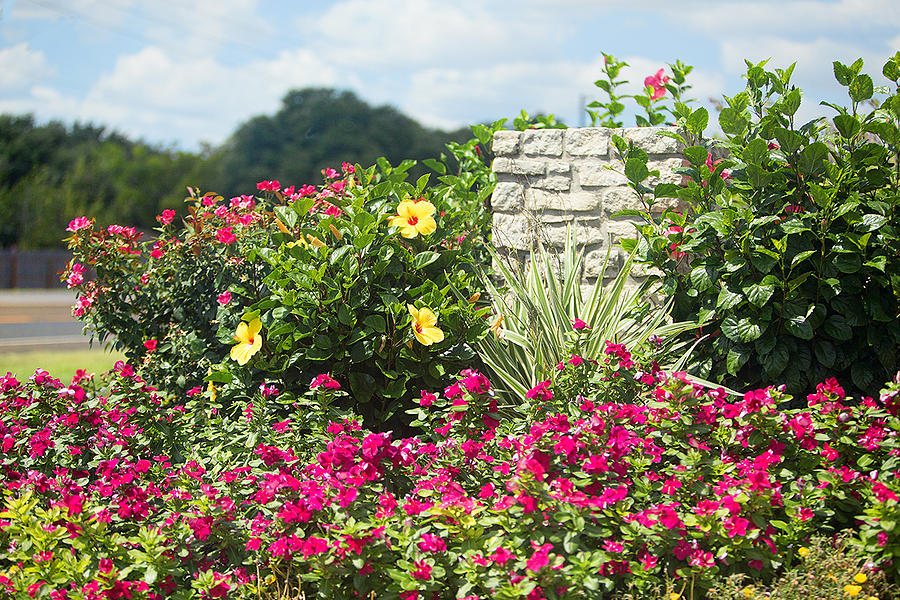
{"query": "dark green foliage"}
{"type": "Point", "coordinates": [790, 247]}
{"type": "Point", "coordinates": [317, 129]}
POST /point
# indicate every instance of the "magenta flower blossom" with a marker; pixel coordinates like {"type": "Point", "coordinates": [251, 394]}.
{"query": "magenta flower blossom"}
{"type": "Point", "coordinates": [225, 235]}
{"type": "Point", "coordinates": [78, 223]}
{"type": "Point", "coordinates": [326, 381]}
{"type": "Point", "coordinates": [658, 83]}
{"type": "Point", "coordinates": [150, 345]}
{"type": "Point", "coordinates": [268, 186]}
{"type": "Point", "coordinates": [578, 325]}
{"type": "Point", "coordinates": [166, 216]}
{"type": "Point", "coordinates": [224, 298]}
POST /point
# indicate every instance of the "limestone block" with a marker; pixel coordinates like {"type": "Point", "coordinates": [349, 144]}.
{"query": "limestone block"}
{"type": "Point", "coordinates": [519, 166]}
{"type": "Point", "coordinates": [513, 231]}
{"type": "Point", "coordinates": [621, 227]}
{"type": "Point", "coordinates": [587, 231]}
{"type": "Point", "coordinates": [542, 142]}
{"type": "Point", "coordinates": [588, 141]}
{"type": "Point", "coordinates": [619, 198]}
{"type": "Point", "coordinates": [507, 196]}
{"type": "Point", "coordinates": [506, 143]}
{"type": "Point", "coordinates": [559, 168]}
{"type": "Point", "coordinates": [649, 140]}
{"type": "Point", "coordinates": [582, 201]}
{"type": "Point", "coordinates": [666, 169]}
{"type": "Point", "coordinates": [593, 262]}
{"type": "Point", "coordinates": [598, 175]}
{"type": "Point", "coordinates": [559, 183]}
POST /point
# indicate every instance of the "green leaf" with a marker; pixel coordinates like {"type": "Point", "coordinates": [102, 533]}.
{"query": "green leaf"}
{"type": "Point", "coordinates": [376, 323]}
{"type": "Point", "coordinates": [666, 190]}
{"type": "Point", "coordinates": [362, 385]}
{"type": "Point", "coordinates": [728, 299]}
{"type": "Point", "coordinates": [799, 327]}
{"type": "Point", "coordinates": [789, 140]}
{"type": "Point", "coordinates": [435, 165]}
{"type": "Point", "coordinates": [696, 155]}
{"type": "Point", "coordinates": [732, 121]}
{"type": "Point", "coordinates": [842, 73]}
{"type": "Point", "coordinates": [836, 326]}
{"type": "Point", "coordinates": [847, 262]}
{"type": "Point", "coordinates": [737, 357]}
{"type": "Point", "coordinates": [863, 375]}
{"type": "Point", "coordinates": [636, 170]}
{"type": "Point", "coordinates": [703, 277]}
{"type": "Point", "coordinates": [861, 88]}
{"type": "Point", "coordinates": [847, 125]}
{"type": "Point", "coordinates": [741, 329]}
{"type": "Point", "coordinates": [425, 258]}
{"type": "Point", "coordinates": [697, 122]}
{"type": "Point", "coordinates": [758, 176]}
{"type": "Point", "coordinates": [287, 215]}
{"type": "Point", "coordinates": [755, 151]}
{"type": "Point", "coordinates": [791, 102]}
{"type": "Point", "coordinates": [775, 361]}
{"type": "Point", "coordinates": [871, 222]}
{"type": "Point", "coordinates": [812, 159]}
{"type": "Point", "coordinates": [801, 257]}
{"type": "Point", "coordinates": [824, 351]}
{"type": "Point", "coordinates": [345, 316]}
{"type": "Point", "coordinates": [891, 70]}
{"type": "Point", "coordinates": [758, 294]}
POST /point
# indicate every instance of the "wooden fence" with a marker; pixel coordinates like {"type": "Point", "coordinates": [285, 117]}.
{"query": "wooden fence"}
{"type": "Point", "coordinates": [32, 268]}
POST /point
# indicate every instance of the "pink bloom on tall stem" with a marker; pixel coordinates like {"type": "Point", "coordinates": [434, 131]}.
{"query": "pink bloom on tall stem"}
{"type": "Point", "coordinates": [77, 275]}
{"type": "Point", "coordinates": [150, 345]}
{"type": "Point", "coordinates": [166, 216]}
{"type": "Point", "coordinates": [78, 223]}
{"type": "Point", "coordinates": [268, 186]}
{"type": "Point", "coordinates": [224, 298]}
{"type": "Point", "coordinates": [658, 83]}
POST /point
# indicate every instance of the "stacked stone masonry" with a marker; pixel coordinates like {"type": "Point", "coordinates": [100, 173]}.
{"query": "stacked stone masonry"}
{"type": "Point", "coordinates": [551, 179]}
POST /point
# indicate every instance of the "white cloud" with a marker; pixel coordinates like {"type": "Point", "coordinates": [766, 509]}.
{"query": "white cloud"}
{"type": "Point", "coordinates": [402, 34]}
{"type": "Point", "coordinates": [20, 66]}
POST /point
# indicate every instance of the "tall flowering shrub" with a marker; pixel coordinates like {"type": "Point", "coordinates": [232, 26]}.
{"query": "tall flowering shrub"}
{"type": "Point", "coordinates": [173, 303]}
{"type": "Point", "coordinates": [789, 246]}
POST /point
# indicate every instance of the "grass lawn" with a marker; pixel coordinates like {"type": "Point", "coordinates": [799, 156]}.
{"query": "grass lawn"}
{"type": "Point", "coordinates": [61, 364]}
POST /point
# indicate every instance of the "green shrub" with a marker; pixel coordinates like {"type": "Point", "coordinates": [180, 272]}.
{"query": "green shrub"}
{"type": "Point", "coordinates": [790, 246]}
{"type": "Point", "coordinates": [320, 266]}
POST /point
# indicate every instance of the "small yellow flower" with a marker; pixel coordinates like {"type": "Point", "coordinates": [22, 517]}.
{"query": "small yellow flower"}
{"type": "Point", "coordinates": [414, 218]}
{"type": "Point", "coordinates": [748, 592]}
{"type": "Point", "coordinates": [674, 596]}
{"type": "Point", "coordinates": [852, 590]}
{"type": "Point", "coordinates": [803, 552]}
{"type": "Point", "coordinates": [860, 578]}
{"type": "Point", "coordinates": [872, 598]}
{"type": "Point", "coordinates": [249, 341]}
{"type": "Point", "coordinates": [212, 392]}
{"type": "Point", "coordinates": [496, 326]}
{"type": "Point", "coordinates": [424, 325]}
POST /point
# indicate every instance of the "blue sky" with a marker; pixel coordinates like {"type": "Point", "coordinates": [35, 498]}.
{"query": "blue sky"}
{"type": "Point", "coordinates": [183, 72]}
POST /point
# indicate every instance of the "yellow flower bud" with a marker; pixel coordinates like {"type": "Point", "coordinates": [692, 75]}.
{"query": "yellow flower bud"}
{"type": "Point", "coordinates": [803, 552]}
{"type": "Point", "coordinates": [860, 578]}
{"type": "Point", "coordinates": [852, 590]}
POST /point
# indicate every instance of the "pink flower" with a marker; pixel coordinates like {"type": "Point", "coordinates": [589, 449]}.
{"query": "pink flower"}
{"type": "Point", "coordinates": [540, 558]}
{"type": "Point", "coordinates": [541, 391]}
{"type": "Point", "coordinates": [166, 216]}
{"type": "Point", "coordinates": [268, 186]}
{"type": "Point", "coordinates": [501, 555]}
{"type": "Point", "coordinates": [576, 360]}
{"type": "Point", "coordinates": [422, 571]}
{"type": "Point", "coordinates": [347, 168]}
{"type": "Point", "coordinates": [224, 298]}
{"type": "Point", "coordinates": [225, 235]}
{"type": "Point", "coordinates": [78, 223]}
{"type": "Point", "coordinates": [578, 325]}
{"type": "Point", "coordinates": [432, 543]}
{"type": "Point", "coordinates": [77, 276]}
{"type": "Point", "coordinates": [329, 173]}
{"type": "Point", "coordinates": [427, 399]}
{"type": "Point", "coordinates": [658, 83]}
{"type": "Point", "coordinates": [324, 380]}
{"type": "Point", "coordinates": [150, 345]}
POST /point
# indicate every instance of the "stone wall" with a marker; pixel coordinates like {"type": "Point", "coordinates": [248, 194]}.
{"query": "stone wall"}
{"type": "Point", "coordinates": [548, 179]}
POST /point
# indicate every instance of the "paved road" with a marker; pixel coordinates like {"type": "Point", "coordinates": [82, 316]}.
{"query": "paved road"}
{"type": "Point", "coordinates": [39, 320]}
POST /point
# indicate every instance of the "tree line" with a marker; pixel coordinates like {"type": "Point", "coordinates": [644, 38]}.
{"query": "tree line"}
{"type": "Point", "coordinates": [54, 172]}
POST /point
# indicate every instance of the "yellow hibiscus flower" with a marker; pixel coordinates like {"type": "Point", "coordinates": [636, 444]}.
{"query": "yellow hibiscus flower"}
{"type": "Point", "coordinates": [424, 325]}
{"type": "Point", "coordinates": [414, 218]}
{"type": "Point", "coordinates": [249, 341]}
